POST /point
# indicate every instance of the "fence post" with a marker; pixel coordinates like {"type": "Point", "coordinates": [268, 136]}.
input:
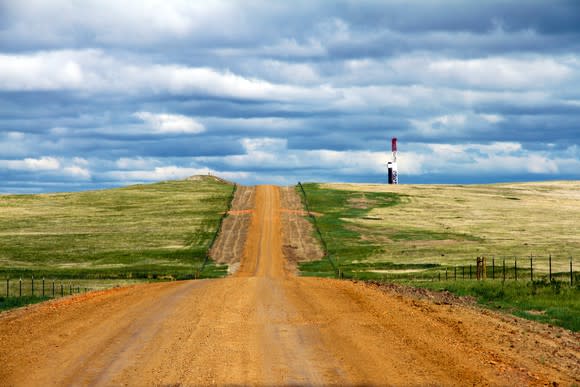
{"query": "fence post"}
{"type": "Point", "coordinates": [504, 270]}
{"type": "Point", "coordinates": [7, 287]}
{"type": "Point", "coordinates": [439, 276]}
{"type": "Point", "coordinates": [571, 276]}
{"type": "Point", "coordinates": [493, 267]}
{"type": "Point", "coordinates": [463, 272]}
{"type": "Point", "coordinates": [455, 273]}
{"type": "Point", "coordinates": [446, 274]}
{"type": "Point", "coordinates": [531, 268]}
{"type": "Point", "coordinates": [470, 271]}
{"type": "Point", "coordinates": [516, 267]}
{"type": "Point", "coordinates": [20, 288]}
{"type": "Point", "coordinates": [61, 290]}
{"type": "Point", "coordinates": [550, 265]}
{"type": "Point", "coordinates": [52, 288]}
{"type": "Point", "coordinates": [32, 286]}
{"type": "Point", "coordinates": [42, 286]}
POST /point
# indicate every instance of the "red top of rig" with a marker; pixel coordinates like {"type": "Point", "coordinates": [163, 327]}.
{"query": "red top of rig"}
{"type": "Point", "coordinates": [394, 144]}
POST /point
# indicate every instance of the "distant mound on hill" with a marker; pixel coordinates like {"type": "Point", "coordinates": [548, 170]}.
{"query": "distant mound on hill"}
{"type": "Point", "coordinates": [208, 177]}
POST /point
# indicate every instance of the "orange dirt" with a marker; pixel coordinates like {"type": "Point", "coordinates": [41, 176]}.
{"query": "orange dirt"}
{"type": "Point", "coordinates": [229, 246]}
{"type": "Point", "coordinates": [265, 326]}
{"type": "Point", "coordinates": [298, 241]}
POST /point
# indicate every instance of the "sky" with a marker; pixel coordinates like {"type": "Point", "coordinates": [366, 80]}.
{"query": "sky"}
{"type": "Point", "coordinates": [106, 93]}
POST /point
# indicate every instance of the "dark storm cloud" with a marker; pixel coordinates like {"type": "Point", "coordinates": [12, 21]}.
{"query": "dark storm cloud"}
{"type": "Point", "coordinates": [103, 93]}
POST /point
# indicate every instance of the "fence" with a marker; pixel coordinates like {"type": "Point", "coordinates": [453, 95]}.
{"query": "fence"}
{"type": "Point", "coordinates": [40, 288]}
{"type": "Point", "coordinates": [529, 268]}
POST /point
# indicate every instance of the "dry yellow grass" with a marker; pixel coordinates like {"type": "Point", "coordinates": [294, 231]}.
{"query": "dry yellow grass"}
{"type": "Point", "coordinates": [501, 220]}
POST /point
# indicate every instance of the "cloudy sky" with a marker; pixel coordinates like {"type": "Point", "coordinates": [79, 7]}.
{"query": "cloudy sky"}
{"type": "Point", "coordinates": [102, 93]}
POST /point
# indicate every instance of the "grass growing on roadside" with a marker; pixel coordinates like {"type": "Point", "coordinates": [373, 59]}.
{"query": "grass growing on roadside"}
{"type": "Point", "coordinates": [336, 207]}
{"type": "Point", "coordinates": [16, 302]}
{"type": "Point", "coordinates": [555, 302]}
{"type": "Point", "coordinates": [142, 231]}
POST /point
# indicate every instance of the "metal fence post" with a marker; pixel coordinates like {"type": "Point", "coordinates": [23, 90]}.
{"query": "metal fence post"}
{"type": "Point", "coordinates": [550, 265]}
{"type": "Point", "coordinates": [52, 288]}
{"type": "Point", "coordinates": [7, 287]}
{"type": "Point", "coordinates": [20, 288]}
{"type": "Point", "coordinates": [42, 286]}
{"type": "Point", "coordinates": [32, 286]}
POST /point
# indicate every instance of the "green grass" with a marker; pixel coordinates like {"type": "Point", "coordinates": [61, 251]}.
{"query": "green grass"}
{"type": "Point", "coordinates": [143, 231]}
{"type": "Point", "coordinates": [415, 234]}
{"type": "Point", "coordinates": [554, 303]}
{"type": "Point", "coordinates": [16, 302]}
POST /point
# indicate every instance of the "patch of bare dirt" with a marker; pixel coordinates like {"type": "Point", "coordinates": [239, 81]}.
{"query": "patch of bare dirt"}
{"type": "Point", "coordinates": [229, 245]}
{"type": "Point", "coordinates": [298, 240]}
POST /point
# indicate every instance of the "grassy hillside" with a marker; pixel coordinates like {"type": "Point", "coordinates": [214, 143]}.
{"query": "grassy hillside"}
{"type": "Point", "coordinates": [424, 233]}
{"type": "Point", "coordinates": [451, 225]}
{"type": "Point", "coordinates": [139, 231]}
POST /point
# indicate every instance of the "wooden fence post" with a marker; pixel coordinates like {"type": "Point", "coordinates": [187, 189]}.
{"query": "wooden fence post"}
{"type": "Point", "coordinates": [52, 288]}
{"type": "Point", "coordinates": [42, 286]}
{"type": "Point", "coordinates": [20, 288]}
{"type": "Point", "coordinates": [7, 287]}
{"type": "Point", "coordinates": [550, 265]}
{"type": "Point", "coordinates": [531, 268]}
{"type": "Point", "coordinates": [571, 273]}
{"type": "Point", "coordinates": [504, 270]}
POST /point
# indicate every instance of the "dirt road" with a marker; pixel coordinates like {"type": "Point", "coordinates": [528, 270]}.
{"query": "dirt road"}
{"type": "Point", "coordinates": [265, 326]}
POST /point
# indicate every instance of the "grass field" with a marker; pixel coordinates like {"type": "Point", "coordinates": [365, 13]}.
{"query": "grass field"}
{"type": "Point", "coordinates": [417, 233]}
{"type": "Point", "coordinates": [158, 230]}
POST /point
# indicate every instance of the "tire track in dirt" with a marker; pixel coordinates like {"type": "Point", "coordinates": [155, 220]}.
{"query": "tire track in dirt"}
{"type": "Point", "coordinates": [229, 245]}
{"type": "Point", "coordinates": [299, 243]}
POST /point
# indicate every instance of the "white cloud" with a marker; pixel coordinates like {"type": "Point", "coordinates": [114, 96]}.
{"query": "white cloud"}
{"type": "Point", "coordinates": [78, 171]}
{"type": "Point", "coordinates": [170, 123]}
{"type": "Point", "coordinates": [274, 154]}
{"type": "Point", "coordinates": [77, 167]}
{"type": "Point", "coordinates": [170, 172]}
{"type": "Point", "coordinates": [42, 164]}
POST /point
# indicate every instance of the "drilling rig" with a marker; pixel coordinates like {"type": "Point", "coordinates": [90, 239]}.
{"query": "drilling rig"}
{"type": "Point", "coordinates": [393, 177]}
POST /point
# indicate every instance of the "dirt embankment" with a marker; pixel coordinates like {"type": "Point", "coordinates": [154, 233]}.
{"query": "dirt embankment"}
{"type": "Point", "coordinates": [298, 240]}
{"type": "Point", "coordinates": [265, 326]}
{"type": "Point", "coordinates": [229, 246]}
